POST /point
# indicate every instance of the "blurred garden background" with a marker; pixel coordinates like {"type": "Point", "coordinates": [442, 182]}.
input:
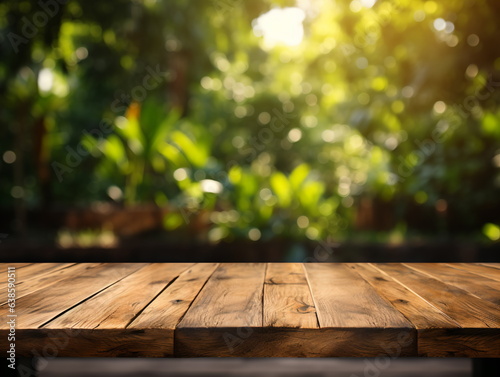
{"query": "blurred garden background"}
{"type": "Point", "coordinates": [250, 130]}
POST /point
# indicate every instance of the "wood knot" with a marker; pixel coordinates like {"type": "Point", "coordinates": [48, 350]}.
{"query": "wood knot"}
{"type": "Point", "coordinates": [305, 309]}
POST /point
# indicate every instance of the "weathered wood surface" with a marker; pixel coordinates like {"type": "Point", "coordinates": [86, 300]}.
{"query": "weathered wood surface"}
{"type": "Point", "coordinates": [255, 310]}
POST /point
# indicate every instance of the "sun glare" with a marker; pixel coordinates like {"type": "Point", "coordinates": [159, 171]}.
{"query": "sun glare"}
{"type": "Point", "coordinates": [280, 26]}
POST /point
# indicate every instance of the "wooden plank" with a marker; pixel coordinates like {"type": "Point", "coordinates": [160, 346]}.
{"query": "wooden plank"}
{"type": "Point", "coordinates": [50, 343]}
{"type": "Point", "coordinates": [165, 311]}
{"type": "Point", "coordinates": [291, 342]}
{"type": "Point", "coordinates": [343, 300]}
{"type": "Point", "coordinates": [492, 265]}
{"type": "Point", "coordinates": [287, 298]}
{"type": "Point", "coordinates": [477, 270]}
{"type": "Point", "coordinates": [5, 266]}
{"type": "Point", "coordinates": [460, 305]}
{"type": "Point", "coordinates": [217, 336]}
{"type": "Point", "coordinates": [117, 306]}
{"type": "Point", "coordinates": [232, 297]}
{"type": "Point", "coordinates": [169, 307]}
{"type": "Point", "coordinates": [34, 271]}
{"type": "Point", "coordinates": [253, 310]}
{"type": "Point", "coordinates": [231, 301]}
{"type": "Point", "coordinates": [417, 310]}
{"type": "Point", "coordinates": [285, 273]}
{"type": "Point", "coordinates": [479, 286]}
{"type": "Point", "coordinates": [41, 306]}
{"type": "Point", "coordinates": [471, 343]}
{"type": "Point", "coordinates": [39, 269]}
{"type": "Point", "coordinates": [24, 288]}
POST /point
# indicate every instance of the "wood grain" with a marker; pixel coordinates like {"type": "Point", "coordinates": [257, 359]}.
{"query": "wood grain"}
{"type": "Point", "coordinates": [287, 298]}
{"type": "Point", "coordinates": [169, 307]}
{"type": "Point", "coordinates": [491, 265]}
{"type": "Point", "coordinates": [5, 266]}
{"type": "Point", "coordinates": [470, 342]}
{"type": "Point", "coordinates": [39, 269]}
{"type": "Point", "coordinates": [417, 310]}
{"type": "Point", "coordinates": [232, 297]}
{"type": "Point", "coordinates": [477, 285]}
{"type": "Point", "coordinates": [464, 308]}
{"type": "Point", "coordinates": [42, 281]}
{"type": "Point", "coordinates": [292, 342]}
{"type": "Point", "coordinates": [478, 270]}
{"type": "Point", "coordinates": [256, 310]}
{"type": "Point", "coordinates": [344, 300]}
{"type": "Point", "coordinates": [231, 300]}
{"type": "Point", "coordinates": [42, 306]}
{"type": "Point", "coordinates": [117, 306]}
{"type": "Point", "coordinates": [50, 343]}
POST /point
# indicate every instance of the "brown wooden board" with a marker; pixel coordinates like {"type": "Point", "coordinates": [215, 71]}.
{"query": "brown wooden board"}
{"type": "Point", "coordinates": [480, 286]}
{"type": "Point", "coordinates": [117, 306]}
{"type": "Point", "coordinates": [419, 312]}
{"type": "Point", "coordinates": [344, 300]}
{"type": "Point", "coordinates": [287, 298]}
{"type": "Point", "coordinates": [256, 310]}
{"type": "Point", "coordinates": [41, 306]}
{"type": "Point", "coordinates": [481, 270]}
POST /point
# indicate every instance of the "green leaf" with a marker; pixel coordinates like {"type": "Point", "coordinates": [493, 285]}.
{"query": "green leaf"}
{"type": "Point", "coordinates": [196, 155]}
{"type": "Point", "coordinates": [281, 187]}
{"type": "Point", "coordinates": [114, 150]}
{"type": "Point", "coordinates": [298, 176]}
{"type": "Point", "coordinates": [310, 195]}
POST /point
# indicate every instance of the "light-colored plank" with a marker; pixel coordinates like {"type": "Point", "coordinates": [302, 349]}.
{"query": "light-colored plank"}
{"type": "Point", "coordinates": [39, 269]}
{"type": "Point", "coordinates": [461, 306]}
{"type": "Point", "coordinates": [420, 313]}
{"type": "Point", "coordinates": [232, 297]}
{"type": "Point", "coordinates": [41, 306]}
{"type": "Point", "coordinates": [344, 300]}
{"type": "Point", "coordinates": [287, 298]}
{"type": "Point", "coordinates": [285, 273]}
{"type": "Point", "coordinates": [34, 272]}
{"type": "Point", "coordinates": [17, 266]}
{"type": "Point", "coordinates": [117, 306]}
{"type": "Point", "coordinates": [170, 306]}
{"type": "Point", "coordinates": [477, 285]}
{"type": "Point", "coordinates": [491, 273]}
{"type": "Point", "coordinates": [227, 309]}
{"type": "Point", "coordinates": [491, 265]}
{"type": "Point", "coordinates": [24, 288]}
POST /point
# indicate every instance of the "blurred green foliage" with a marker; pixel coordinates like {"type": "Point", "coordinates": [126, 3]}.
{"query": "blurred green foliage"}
{"type": "Point", "coordinates": [180, 103]}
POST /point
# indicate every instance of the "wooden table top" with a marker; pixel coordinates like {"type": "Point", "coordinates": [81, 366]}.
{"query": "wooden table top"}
{"type": "Point", "coordinates": [254, 309]}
